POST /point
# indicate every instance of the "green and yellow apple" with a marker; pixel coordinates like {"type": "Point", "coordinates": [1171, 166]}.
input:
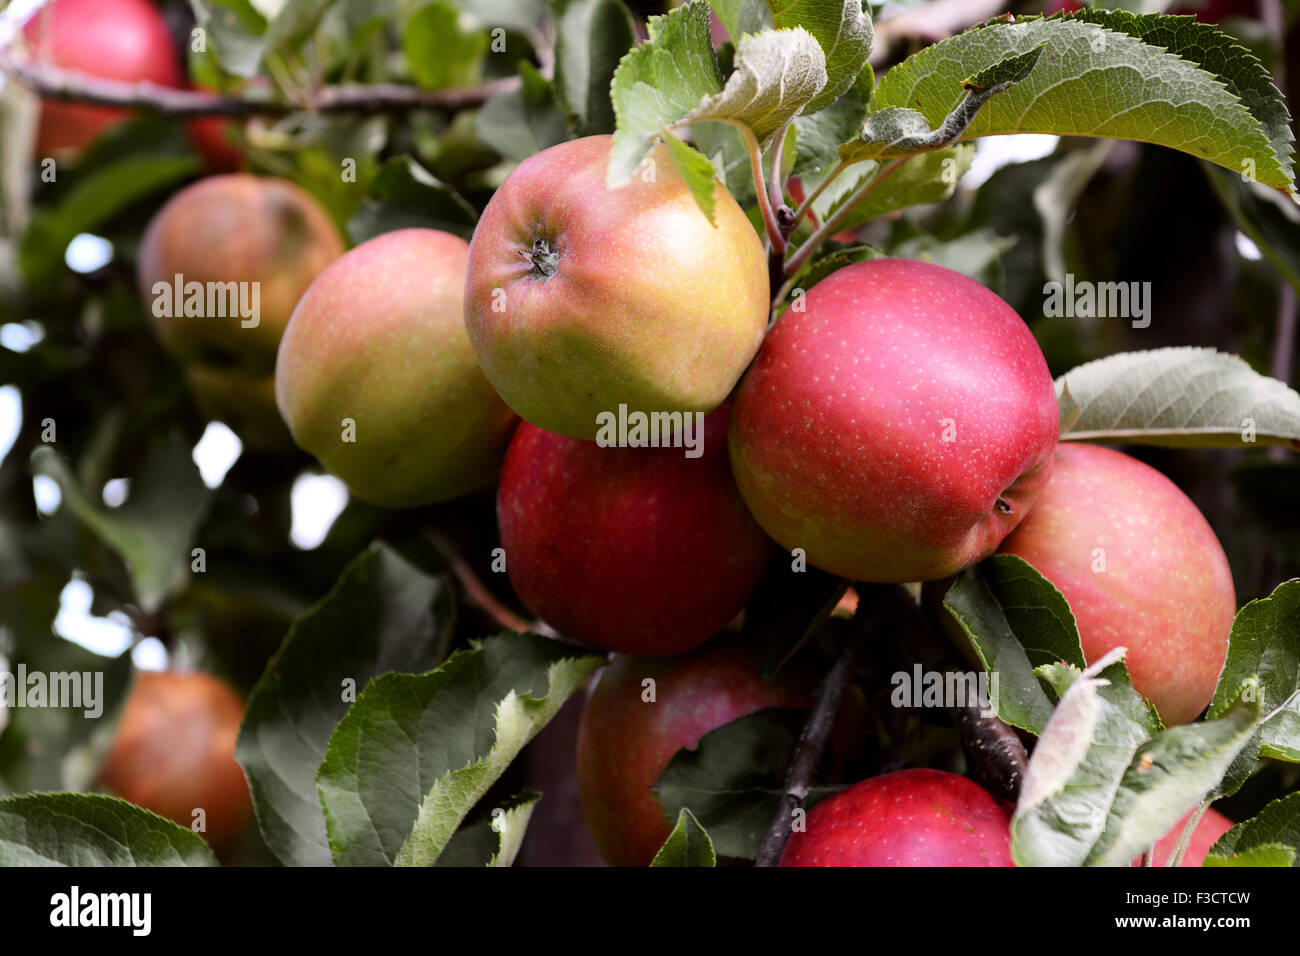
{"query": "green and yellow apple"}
{"type": "Point", "coordinates": [581, 298]}
{"type": "Point", "coordinates": [376, 376]}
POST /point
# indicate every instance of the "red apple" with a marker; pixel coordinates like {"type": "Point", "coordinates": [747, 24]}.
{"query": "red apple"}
{"type": "Point", "coordinates": [1212, 826]}
{"type": "Point", "coordinates": [625, 742]}
{"type": "Point", "coordinates": [898, 422]}
{"type": "Point", "coordinates": [125, 40]}
{"type": "Point", "coordinates": [581, 298]}
{"type": "Point", "coordinates": [1141, 569]}
{"type": "Point", "coordinates": [905, 818]}
{"type": "Point", "coordinates": [379, 339]}
{"type": "Point", "coordinates": [636, 550]}
{"type": "Point", "coordinates": [174, 753]}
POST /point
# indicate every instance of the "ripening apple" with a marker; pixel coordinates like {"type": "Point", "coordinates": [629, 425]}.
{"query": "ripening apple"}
{"type": "Point", "coordinates": [636, 550]}
{"type": "Point", "coordinates": [905, 818]}
{"type": "Point", "coordinates": [581, 298]}
{"type": "Point", "coordinates": [1141, 569]}
{"type": "Point", "coordinates": [630, 730]}
{"type": "Point", "coordinates": [245, 248]}
{"type": "Point", "coordinates": [377, 379]}
{"type": "Point", "coordinates": [897, 423]}
{"type": "Point", "coordinates": [174, 753]}
{"type": "Point", "coordinates": [221, 268]}
{"type": "Point", "coordinates": [124, 40]}
{"type": "Point", "coordinates": [1212, 826]}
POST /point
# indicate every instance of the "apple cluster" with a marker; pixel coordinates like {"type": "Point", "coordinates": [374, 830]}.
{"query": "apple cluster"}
{"type": "Point", "coordinates": [898, 423]}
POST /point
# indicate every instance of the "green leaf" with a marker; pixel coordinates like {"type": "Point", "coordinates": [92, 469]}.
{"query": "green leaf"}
{"type": "Point", "coordinates": [1219, 54]}
{"type": "Point", "coordinates": [777, 73]}
{"type": "Point", "coordinates": [659, 83]}
{"type": "Point", "coordinates": [1278, 824]}
{"type": "Point", "coordinates": [153, 530]}
{"type": "Point", "coordinates": [972, 254]}
{"type": "Point", "coordinates": [819, 135]}
{"type": "Point", "coordinates": [439, 51]}
{"type": "Point", "coordinates": [734, 779]}
{"type": "Point", "coordinates": [843, 30]}
{"type": "Point", "coordinates": [382, 615]}
{"type": "Point", "coordinates": [1167, 777]}
{"type": "Point", "coordinates": [725, 148]}
{"type": "Point", "coordinates": [236, 35]}
{"type": "Point", "coordinates": [404, 195]}
{"type": "Point", "coordinates": [521, 122]}
{"type": "Point", "coordinates": [1090, 81]}
{"type": "Point", "coordinates": [687, 845]}
{"type": "Point", "coordinates": [591, 36]}
{"type": "Point", "coordinates": [522, 16]}
{"type": "Point", "coordinates": [742, 16]}
{"type": "Point", "coordinates": [1181, 398]}
{"type": "Point", "coordinates": [84, 829]}
{"type": "Point", "coordinates": [1271, 220]}
{"type": "Point", "coordinates": [698, 172]}
{"type": "Point", "coordinates": [95, 199]}
{"type": "Point", "coordinates": [494, 839]}
{"type": "Point", "coordinates": [1266, 854]}
{"type": "Point", "coordinates": [1265, 642]}
{"type": "Point", "coordinates": [927, 178]}
{"type": "Point", "coordinates": [1075, 769]}
{"type": "Point", "coordinates": [1015, 620]}
{"type": "Point", "coordinates": [416, 752]}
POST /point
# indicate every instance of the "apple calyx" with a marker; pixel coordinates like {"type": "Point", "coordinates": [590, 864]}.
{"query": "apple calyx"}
{"type": "Point", "coordinates": [544, 259]}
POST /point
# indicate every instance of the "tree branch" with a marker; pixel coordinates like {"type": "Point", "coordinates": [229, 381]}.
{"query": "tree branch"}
{"type": "Point", "coordinates": [52, 82]}
{"type": "Point", "coordinates": [816, 732]}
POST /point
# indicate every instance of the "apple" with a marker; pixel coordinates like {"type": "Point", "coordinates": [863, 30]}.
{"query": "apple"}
{"type": "Point", "coordinates": [581, 298]}
{"type": "Point", "coordinates": [905, 818]}
{"type": "Point", "coordinates": [1212, 826]}
{"type": "Point", "coordinates": [625, 741]}
{"type": "Point", "coordinates": [635, 550]}
{"type": "Point", "coordinates": [897, 423]}
{"type": "Point", "coordinates": [124, 40]}
{"type": "Point", "coordinates": [379, 341]}
{"type": "Point", "coordinates": [174, 753]}
{"type": "Point", "coordinates": [1140, 567]}
{"type": "Point", "coordinates": [262, 239]}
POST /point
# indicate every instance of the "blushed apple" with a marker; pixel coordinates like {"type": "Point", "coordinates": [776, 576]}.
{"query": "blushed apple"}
{"type": "Point", "coordinates": [125, 40]}
{"type": "Point", "coordinates": [379, 341]}
{"type": "Point", "coordinates": [581, 298]}
{"type": "Point", "coordinates": [905, 818]}
{"type": "Point", "coordinates": [636, 550]}
{"type": "Point", "coordinates": [897, 423]}
{"type": "Point", "coordinates": [1141, 568]}
{"type": "Point", "coordinates": [237, 241]}
{"type": "Point", "coordinates": [174, 753]}
{"type": "Point", "coordinates": [625, 741]}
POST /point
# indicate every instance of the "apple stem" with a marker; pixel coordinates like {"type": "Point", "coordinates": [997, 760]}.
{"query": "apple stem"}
{"type": "Point", "coordinates": [1184, 838]}
{"type": "Point", "coordinates": [475, 590]}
